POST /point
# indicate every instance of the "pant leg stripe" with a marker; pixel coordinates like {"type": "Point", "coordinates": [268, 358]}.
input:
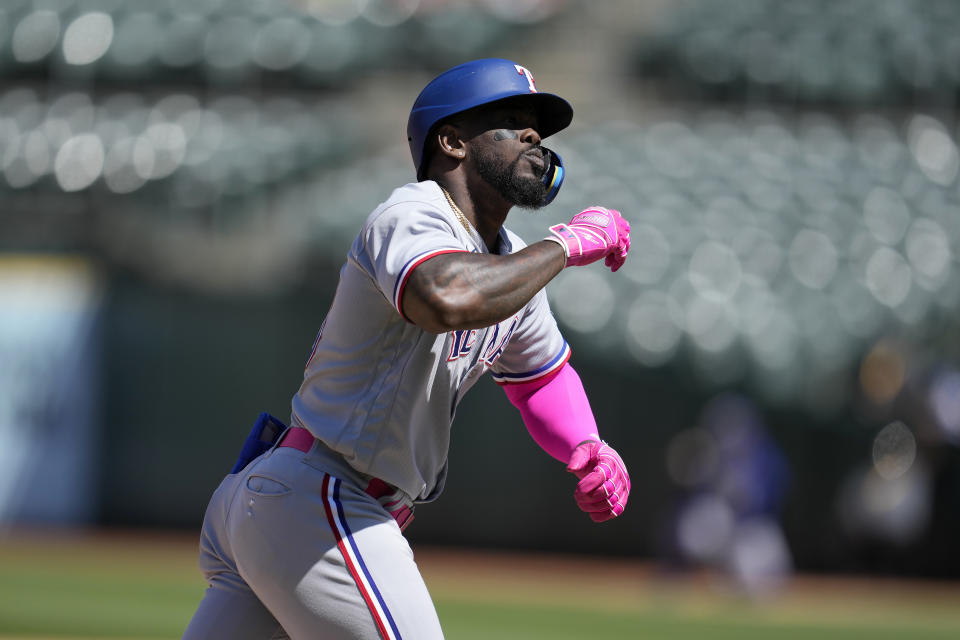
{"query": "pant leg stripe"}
{"type": "Point", "coordinates": [363, 566]}
{"type": "Point", "coordinates": [354, 561]}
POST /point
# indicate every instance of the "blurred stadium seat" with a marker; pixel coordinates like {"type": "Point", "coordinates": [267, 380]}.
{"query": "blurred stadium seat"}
{"type": "Point", "coordinates": [122, 141]}
{"type": "Point", "coordinates": [214, 42]}
{"type": "Point", "coordinates": [807, 51]}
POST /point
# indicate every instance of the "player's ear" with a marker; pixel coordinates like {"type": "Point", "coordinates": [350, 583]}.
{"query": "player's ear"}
{"type": "Point", "coordinates": [450, 141]}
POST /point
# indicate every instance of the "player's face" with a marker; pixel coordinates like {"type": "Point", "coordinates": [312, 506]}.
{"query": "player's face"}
{"type": "Point", "coordinates": [507, 153]}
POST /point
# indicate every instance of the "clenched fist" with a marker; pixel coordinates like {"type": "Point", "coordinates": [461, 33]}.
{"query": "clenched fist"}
{"type": "Point", "coordinates": [593, 234]}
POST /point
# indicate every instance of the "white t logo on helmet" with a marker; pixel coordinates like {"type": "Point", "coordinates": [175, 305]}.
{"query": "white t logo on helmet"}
{"type": "Point", "coordinates": [526, 74]}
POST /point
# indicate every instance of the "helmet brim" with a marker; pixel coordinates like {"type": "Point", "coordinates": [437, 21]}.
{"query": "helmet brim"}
{"type": "Point", "coordinates": [553, 112]}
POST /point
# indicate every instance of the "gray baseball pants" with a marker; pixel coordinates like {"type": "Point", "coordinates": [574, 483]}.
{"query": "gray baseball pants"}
{"type": "Point", "coordinates": [293, 547]}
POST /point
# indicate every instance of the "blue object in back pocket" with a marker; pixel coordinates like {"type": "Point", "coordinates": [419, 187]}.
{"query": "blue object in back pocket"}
{"type": "Point", "coordinates": [264, 434]}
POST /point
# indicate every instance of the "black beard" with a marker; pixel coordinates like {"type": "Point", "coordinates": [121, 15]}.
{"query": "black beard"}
{"type": "Point", "coordinates": [526, 193]}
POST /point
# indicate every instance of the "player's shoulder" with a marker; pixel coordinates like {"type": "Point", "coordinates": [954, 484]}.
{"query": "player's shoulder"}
{"type": "Point", "coordinates": [423, 196]}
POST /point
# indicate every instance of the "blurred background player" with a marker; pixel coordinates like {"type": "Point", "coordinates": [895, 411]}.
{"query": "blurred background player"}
{"type": "Point", "coordinates": [305, 536]}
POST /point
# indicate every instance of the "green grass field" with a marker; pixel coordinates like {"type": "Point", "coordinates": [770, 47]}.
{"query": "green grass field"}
{"type": "Point", "coordinates": [140, 586]}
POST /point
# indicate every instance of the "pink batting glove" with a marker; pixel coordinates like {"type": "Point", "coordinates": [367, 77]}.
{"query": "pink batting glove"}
{"type": "Point", "coordinates": [592, 234]}
{"type": "Point", "coordinates": [604, 482]}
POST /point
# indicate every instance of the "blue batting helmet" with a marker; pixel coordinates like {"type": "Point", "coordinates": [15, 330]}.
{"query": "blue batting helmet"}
{"type": "Point", "coordinates": [481, 82]}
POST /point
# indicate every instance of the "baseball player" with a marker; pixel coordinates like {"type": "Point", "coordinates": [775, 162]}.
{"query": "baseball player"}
{"type": "Point", "coordinates": [304, 538]}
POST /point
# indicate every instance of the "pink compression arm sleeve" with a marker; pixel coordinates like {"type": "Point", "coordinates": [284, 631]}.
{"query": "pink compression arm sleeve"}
{"type": "Point", "coordinates": [556, 411]}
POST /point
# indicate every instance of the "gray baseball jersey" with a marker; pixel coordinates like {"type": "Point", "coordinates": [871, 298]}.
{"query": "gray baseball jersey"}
{"type": "Point", "coordinates": [383, 392]}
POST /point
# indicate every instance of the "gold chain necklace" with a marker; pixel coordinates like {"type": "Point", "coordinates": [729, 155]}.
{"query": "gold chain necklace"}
{"type": "Point", "coordinates": [453, 205]}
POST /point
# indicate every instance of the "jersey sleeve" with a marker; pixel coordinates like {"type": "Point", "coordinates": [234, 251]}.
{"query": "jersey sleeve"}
{"type": "Point", "coordinates": [399, 239]}
{"type": "Point", "coordinates": [536, 349]}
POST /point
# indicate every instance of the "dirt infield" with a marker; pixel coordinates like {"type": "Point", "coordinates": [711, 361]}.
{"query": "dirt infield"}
{"type": "Point", "coordinates": [621, 583]}
{"type": "Point", "coordinates": [609, 581]}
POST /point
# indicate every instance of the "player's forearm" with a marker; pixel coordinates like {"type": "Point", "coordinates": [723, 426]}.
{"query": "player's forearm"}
{"type": "Point", "coordinates": [471, 290]}
{"type": "Point", "coordinates": [556, 411]}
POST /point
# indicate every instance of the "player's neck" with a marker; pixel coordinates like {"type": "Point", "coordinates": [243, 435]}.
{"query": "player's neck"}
{"type": "Point", "coordinates": [485, 211]}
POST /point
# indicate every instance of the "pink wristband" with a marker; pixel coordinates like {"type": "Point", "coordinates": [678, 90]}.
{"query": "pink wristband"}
{"type": "Point", "coordinates": [556, 411]}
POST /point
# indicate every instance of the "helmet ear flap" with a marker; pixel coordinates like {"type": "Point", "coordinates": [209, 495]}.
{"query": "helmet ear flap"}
{"type": "Point", "coordinates": [553, 178]}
